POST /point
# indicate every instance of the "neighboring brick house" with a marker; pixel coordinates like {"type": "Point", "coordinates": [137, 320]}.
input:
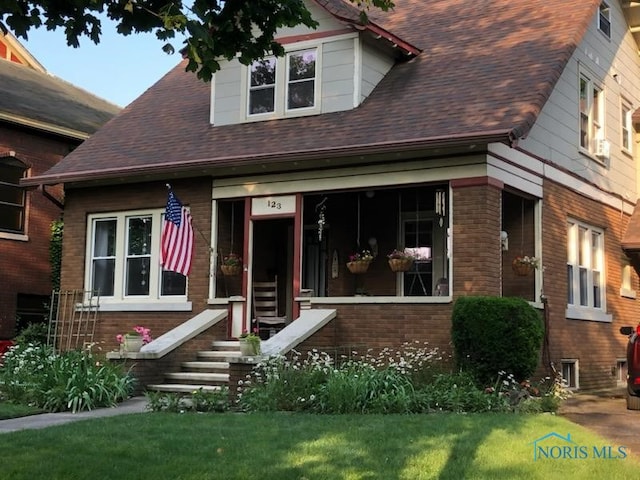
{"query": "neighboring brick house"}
{"type": "Point", "coordinates": [470, 134]}
{"type": "Point", "coordinates": [42, 119]}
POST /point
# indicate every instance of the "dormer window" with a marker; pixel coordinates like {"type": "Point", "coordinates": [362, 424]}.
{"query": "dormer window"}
{"type": "Point", "coordinates": [283, 86]}
{"type": "Point", "coordinates": [262, 89]}
{"type": "Point", "coordinates": [302, 79]}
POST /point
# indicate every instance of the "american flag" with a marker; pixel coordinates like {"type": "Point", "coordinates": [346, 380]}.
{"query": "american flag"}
{"type": "Point", "coordinates": [177, 237]}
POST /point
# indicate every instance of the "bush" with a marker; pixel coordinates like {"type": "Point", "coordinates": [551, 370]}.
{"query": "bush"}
{"type": "Point", "coordinates": [493, 334]}
{"type": "Point", "coordinates": [198, 401]}
{"type": "Point", "coordinates": [35, 333]}
{"type": "Point", "coordinates": [74, 380]}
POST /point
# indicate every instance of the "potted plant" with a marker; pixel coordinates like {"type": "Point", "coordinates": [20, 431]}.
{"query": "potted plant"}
{"type": "Point", "coordinates": [231, 264]}
{"type": "Point", "coordinates": [249, 343]}
{"type": "Point", "coordinates": [522, 265]}
{"type": "Point", "coordinates": [400, 261]}
{"type": "Point", "coordinates": [359, 262]}
{"type": "Point", "coordinates": [134, 340]}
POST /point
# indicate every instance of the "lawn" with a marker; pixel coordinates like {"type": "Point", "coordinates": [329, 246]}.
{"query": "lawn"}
{"type": "Point", "coordinates": [284, 446]}
{"type": "Point", "coordinates": [10, 410]}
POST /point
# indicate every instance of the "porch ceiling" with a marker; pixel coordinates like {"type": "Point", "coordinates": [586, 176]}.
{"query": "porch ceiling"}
{"type": "Point", "coordinates": [632, 14]}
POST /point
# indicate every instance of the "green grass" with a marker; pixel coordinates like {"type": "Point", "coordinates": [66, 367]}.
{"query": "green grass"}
{"type": "Point", "coordinates": [283, 446]}
{"type": "Point", "coordinates": [10, 410]}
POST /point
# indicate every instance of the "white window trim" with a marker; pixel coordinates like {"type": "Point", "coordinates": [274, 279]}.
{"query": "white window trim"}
{"type": "Point", "coordinates": [598, 118]}
{"type": "Point", "coordinates": [280, 107]}
{"type": "Point", "coordinates": [120, 301]}
{"type": "Point", "coordinates": [586, 312]}
{"type": "Point", "coordinates": [626, 123]}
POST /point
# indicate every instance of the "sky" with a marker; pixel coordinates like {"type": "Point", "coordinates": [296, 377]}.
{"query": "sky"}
{"type": "Point", "coordinates": [118, 69]}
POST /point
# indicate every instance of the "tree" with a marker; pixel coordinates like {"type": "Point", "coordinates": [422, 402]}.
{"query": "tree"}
{"type": "Point", "coordinates": [214, 29]}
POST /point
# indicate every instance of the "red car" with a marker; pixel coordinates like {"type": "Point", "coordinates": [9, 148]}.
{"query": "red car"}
{"type": "Point", "coordinates": [633, 367]}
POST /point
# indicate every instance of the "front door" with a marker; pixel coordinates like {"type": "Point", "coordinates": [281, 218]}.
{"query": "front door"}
{"type": "Point", "coordinates": [272, 259]}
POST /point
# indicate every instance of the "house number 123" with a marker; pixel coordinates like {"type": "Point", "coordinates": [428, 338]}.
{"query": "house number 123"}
{"type": "Point", "coordinates": [274, 205]}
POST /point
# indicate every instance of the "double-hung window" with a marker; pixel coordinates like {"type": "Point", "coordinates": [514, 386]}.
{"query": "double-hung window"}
{"type": "Point", "coordinates": [585, 272]}
{"type": "Point", "coordinates": [123, 261]}
{"type": "Point", "coordinates": [262, 86]}
{"type": "Point", "coordinates": [604, 19]}
{"type": "Point", "coordinates": [283, 86]}
{"type": "Point", "coordinates": [301, 79]}
{"type": "Point", "coordinates": [12, 196]}
{"type": "Point", "coordinates": [626, 125]}
{"type": "Point", "coordinates": [591, 115]}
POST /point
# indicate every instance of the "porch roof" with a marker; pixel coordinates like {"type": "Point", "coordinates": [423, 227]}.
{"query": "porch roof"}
{"type": "Point", "coordinates": [482, 76]}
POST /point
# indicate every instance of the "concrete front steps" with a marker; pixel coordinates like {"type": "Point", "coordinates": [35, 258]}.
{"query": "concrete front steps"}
{"type": "Point", "coordinates": [209, 371]}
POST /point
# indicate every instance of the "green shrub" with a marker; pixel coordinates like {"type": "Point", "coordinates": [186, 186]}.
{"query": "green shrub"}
{"type": "Point", "coordinates": [74, 380]}
{"type": "Point", "coordinates": [35, 333]}
{"type": "Point", "coordinates": [199, 400]}
{"type": "Point", "coordinates": [493, 334]}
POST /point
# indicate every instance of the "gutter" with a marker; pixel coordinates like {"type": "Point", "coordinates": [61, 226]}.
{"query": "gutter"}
{"type": "Point", "coordinates": [44, 126]}
{"type": "Point", "coordinates": [167, 168]}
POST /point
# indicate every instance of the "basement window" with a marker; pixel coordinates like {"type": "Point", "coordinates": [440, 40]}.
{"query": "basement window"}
{"type": "Point", "coordinates": [570, 373]}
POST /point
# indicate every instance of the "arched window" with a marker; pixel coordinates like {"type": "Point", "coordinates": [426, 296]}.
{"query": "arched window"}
{"type": "Point", "coordinates": [12, 195]}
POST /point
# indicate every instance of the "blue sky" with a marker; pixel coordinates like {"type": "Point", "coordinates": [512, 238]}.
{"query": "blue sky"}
{"type": "Point", "coordinates": [119, 69]}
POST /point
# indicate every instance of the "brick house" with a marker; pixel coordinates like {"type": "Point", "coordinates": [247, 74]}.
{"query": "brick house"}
{"type": "Point", "coordinates": [42, 119]}
{"type": "Point", "coordinates": [467, 138]}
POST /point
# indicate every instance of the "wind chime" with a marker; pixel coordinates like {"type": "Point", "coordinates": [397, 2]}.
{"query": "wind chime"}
{"type": "Point", "coordinates": [320, 210]}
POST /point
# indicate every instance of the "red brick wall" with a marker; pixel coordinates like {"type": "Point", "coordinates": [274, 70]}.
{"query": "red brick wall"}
{"type": "Point", "coordinates": [24, 265]}
{"type": "Point", "coordinates": [195, 193]}
{"type": "Point", "coordinates": [596, 345]}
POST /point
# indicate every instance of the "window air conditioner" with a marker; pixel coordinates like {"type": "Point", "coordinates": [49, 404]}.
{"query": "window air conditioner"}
{"type": "Point", "coordinates": [602, 148]}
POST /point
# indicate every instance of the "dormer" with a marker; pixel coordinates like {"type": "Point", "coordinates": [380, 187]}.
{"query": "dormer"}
{"type": "Point", "coordinates": [330, 69]}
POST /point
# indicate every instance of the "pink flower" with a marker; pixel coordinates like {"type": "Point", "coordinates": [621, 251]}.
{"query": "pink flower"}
{"type": "Point", "coordinates": [119, 338]}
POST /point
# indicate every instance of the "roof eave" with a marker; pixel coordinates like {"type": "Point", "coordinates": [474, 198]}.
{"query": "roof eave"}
{"type": "Point", "coordinates": [361, 151]}
{"type": "Point", "coordinates": [44, 126]}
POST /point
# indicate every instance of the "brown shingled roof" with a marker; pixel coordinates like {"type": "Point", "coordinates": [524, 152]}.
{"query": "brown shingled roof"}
{"type": "Point", "coordinates": [36, 98]}
{"type": "Point", "coordinates": [485, 71]}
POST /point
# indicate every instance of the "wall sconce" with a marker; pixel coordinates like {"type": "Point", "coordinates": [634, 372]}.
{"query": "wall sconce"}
{"type": "Point", "coordinates": [504, 240]}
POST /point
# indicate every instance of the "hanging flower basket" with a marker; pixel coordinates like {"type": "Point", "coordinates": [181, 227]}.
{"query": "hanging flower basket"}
{"type": "Point", "coordinates": [358, 266]}
{"type": "Point", "coordinates": [231, 265]}
{"type": "Point", "coordinates": [231, 270]}
{"type": "Point", "coordinates": [523, 266]}
{"type": "Point", "coordinates": [400, 264]}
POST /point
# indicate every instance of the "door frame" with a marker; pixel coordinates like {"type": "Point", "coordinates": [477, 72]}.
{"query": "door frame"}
{"type": "Point", "coordinates": [268, 208]}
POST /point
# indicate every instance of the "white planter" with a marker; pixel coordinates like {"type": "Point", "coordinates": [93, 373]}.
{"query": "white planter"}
{"type": "Point", "coordinates": [132, 343]}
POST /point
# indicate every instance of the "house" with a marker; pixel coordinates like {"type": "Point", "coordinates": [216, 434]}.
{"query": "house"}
{"type": "Point", "coordinates": [42, 119]}
{"type": "Point", "coordinates": [467, 138]}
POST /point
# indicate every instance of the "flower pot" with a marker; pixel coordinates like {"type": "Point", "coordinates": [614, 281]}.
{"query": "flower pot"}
{"type": "Point", "coordinates": [248, 348]}
{"type": "Point", "coordinates": [400, 264]}
{"type": "Point", "coordinates": [231, 270]}
{"type": "Point", "coordinates": [359, 266]}
{"type": "Point", "coordinates": [521, 269]}
{"type": "Point", "coordinates": [132, 343]}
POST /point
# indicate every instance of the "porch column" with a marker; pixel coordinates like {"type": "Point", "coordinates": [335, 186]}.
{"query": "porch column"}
{"type": "Point", "coordinates": [477, 249]}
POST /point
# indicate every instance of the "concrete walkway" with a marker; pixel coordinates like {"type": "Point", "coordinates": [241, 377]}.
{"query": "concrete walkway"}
{"type": "Point", "coordinates": [132, 405]}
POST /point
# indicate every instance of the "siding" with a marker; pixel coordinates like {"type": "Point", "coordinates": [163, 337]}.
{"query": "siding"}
{"type": "Point", "coordinates": [374, 67]}
{"type": "Point", "coordinates": [555, 134]}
